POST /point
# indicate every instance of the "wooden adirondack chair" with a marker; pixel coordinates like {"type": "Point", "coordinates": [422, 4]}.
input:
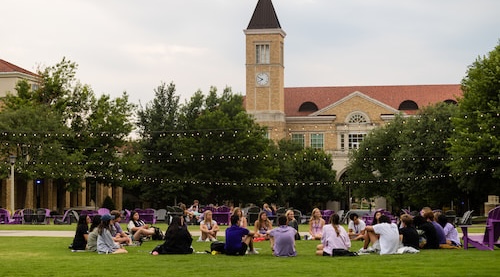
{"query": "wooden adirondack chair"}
{"type": "Point", "coordinates": [491, 233]}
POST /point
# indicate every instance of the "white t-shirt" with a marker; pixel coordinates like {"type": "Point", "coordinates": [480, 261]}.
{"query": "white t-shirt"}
{"type": "Point", "coordinates": [356, 228]}
{"type": "Point", "coordinates": [389, 237]}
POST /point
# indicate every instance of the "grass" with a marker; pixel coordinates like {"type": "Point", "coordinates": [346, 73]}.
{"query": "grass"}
{"type": "Point", "coordinates": [44, 256]}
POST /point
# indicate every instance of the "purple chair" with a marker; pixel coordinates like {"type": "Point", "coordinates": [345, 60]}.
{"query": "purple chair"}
{"type": "Point", "coordinates": [491, 233]}
{"type": "Point", "coordinates": [222, 215]}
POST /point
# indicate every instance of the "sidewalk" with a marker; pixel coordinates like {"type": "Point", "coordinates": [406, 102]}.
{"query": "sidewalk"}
{"type": "Point", "coordinates": [70, 234]}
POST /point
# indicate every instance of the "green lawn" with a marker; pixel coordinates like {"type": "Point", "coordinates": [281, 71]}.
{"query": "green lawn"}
{"type": "Point", "coordinates": [42, 256]}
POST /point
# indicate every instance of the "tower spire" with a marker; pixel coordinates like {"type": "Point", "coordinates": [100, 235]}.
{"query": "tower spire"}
{"type": "Point", "coordinates": [264, 16]}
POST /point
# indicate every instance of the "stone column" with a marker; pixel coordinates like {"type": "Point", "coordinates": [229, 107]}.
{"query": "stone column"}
{"type": "Point", "coordinates": [29, 201]}
{"type": "Point", "coordinates": [82, 194]}
{"type": "Point", "coordinates": [118, 197]}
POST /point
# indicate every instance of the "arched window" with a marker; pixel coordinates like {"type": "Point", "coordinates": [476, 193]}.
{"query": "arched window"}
{"type": "Point", "coordinates": [308, 107]}
{"type": "Point", "coordinates": [357, 118]}
{"type": "Point", "coordinates": [450, 101]}
{"type": "Point", "coordinates": [408, 105]}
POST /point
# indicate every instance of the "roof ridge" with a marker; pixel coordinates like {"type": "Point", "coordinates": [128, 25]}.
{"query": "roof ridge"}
{"type": "Point", "coordinates": [6, 66]}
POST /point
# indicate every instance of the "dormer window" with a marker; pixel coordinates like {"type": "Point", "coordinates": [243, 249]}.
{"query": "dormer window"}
{"type": "Point", "coordinates": [408, 105]}
{"type": "Point", "coordinates": [308, 107]}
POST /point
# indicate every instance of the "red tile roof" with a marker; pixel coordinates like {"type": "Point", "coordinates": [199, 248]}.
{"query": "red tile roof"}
{"type": "Point", "coordinates": [5, 67]}
{"type": "Point", "coordinates": [392, 96]}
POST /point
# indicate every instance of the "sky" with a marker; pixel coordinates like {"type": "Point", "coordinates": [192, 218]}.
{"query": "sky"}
{"type": "Point", "coordinates": [134, 46]}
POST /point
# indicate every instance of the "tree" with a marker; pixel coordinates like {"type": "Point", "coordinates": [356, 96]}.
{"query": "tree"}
{"type": "Point", "coordinates": [406, 160]}
{"type": "Point", "coordinates": [475, 144]}
{"type": "Point", "coordinates": [305, 176]}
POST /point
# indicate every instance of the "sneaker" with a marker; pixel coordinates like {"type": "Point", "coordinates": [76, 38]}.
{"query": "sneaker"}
{"type": "Point", "coordinates": [364, 251]}
{"type": "Point", "coordinates": [252, 252]}
{"type": "Point", "coordinates": [207, 240]}
{"type": "Point", "coordinates": [199, 239]}
{"type": "Point", "coordinates": [213, 239]}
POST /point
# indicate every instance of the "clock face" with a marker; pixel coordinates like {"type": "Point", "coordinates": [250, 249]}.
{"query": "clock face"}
{"type": "Point", "coordinates": [262, 79]}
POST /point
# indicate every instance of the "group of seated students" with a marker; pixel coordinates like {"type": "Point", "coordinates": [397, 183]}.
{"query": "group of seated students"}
{"type": "Point", "coordinates": [419, 232]}
{"type": "Point", "coordinates": [428, 230]}
{"type": "Point", "coordinates": [105, 235]}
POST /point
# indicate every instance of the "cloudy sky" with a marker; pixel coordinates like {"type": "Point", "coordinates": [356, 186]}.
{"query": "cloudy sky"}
{"type": "Point", "coordinates": [133, 46]}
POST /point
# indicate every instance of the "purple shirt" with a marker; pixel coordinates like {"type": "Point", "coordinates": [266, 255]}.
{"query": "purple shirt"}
{"type": "Point", "coordinates": [233, 237]}
{"type": "Point", "coordinates": [439, 232]}
{"type": "Point", "coordinates": [284, 241]}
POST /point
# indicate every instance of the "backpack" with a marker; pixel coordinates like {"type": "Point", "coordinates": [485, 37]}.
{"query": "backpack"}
{"type": "Point", "coordinates": [158, 235]}
{"type": "Point", "coordinates": [218, 247]}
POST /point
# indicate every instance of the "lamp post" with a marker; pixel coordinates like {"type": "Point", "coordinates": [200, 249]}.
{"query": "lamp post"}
{"type": "Point", "coordinates": [12, 160]}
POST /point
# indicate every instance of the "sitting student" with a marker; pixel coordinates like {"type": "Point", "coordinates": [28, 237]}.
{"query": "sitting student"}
{"type": "Point", "coordinates": [262, 225]}
{"type": "Point", "coordinates": [375, 221]}
{"type": "Point", "coordinates": [177, 239]}
{"type": "Point", "coordinates": [334, 238]}
{"type": "Point", "coordinates": [238, 239]}
{"type": "Point", "coordinates": [138, 228]}
{"type": "Point", "coordinates": [449, 231]}
{"type": "Point", "coordinates": [82, 233]}
{"type": "Point", "coordinates": [93, 233]}
{"type": "Point", "coordinates": [117, 232]}
{"type": "Point", "coordinates": [427, 232]}
{"type": "Point", "coordinates": [283, 239]}
{"type": "Point", "coordinates": [243, 219]}
{"type": "Point", "coordinates": [388, 239]}
{"type": "Point", "coordinates": [195, 210]}
{"type": "Point", "coordinates": [429, 216]}
{"type": "Point", "coordinates": [356, 227]}
{"type": "Point", "coordinates": [292, 222]}
{"type": "Point", "coordinates": [208, 227]}
{"type": "Point", "coordinates": [316, 223]}
{"type": "Point", "coordinates": [408, 235]}
{"type": "Point", "coordinates": [105, 242]}
{"type": "Point", "coordinates": [269, 212]}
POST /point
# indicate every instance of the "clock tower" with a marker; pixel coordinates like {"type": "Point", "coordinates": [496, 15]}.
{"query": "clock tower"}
{"type": "Point", "coordinates": [265, 99]}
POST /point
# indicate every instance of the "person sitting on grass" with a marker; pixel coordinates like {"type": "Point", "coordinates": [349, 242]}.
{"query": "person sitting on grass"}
{"type": "Point", "coordinates": [117, 232]}
{"type": "Point", "coordinates": [316, 223]}
{"type": "Point", "coordinates": [427, 233]}
{"type": "Point", "coordinates": [375, 221]}
{"type": "Point", "coordinates": [292, 222]}
{"type": "Point", "coordinates": [238, 239]}
{"type": "Point", "coordinates": [408, 235]}
{"type": "Point", "coordinates": [178, 240]}
{"type": "Point", "coordinates": [82, 233]}
{"type": "Point", "coordinates": [93, 233]}
{"type": "Point", "coordinates": [105, 242]}
{"type": "Point", "coordinates": [138, 228]}
{"type": "Point", "coordinates": [334, 238]}
{"type": "Point", "coordinates": [450, 232]}
{"type": "Point", "coordinates": [283, 239]}
{"type": "Point", "coordinates": [208, 227]}
{"type": "Point", "coordinates": [356, 227]}
{"type": "Point", "coordinates": [388, 240]}
{"type": "Point", "coordinates": [261, 226]}
{"type": "Point", "coordinates": [243, 219]}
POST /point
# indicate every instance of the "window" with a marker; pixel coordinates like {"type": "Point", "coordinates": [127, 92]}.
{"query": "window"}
{"type": "Point", "coordinates": [355, 140]}
{"type": "Point", "coordinates": [262, 54]}
{"type": "Point", "coordinates": [299, 139]}
{"type": "Point", "coordinates": [317, 141]}
{"type": "Point", "coordinates": [308, 107]}
{"type": "Point", "coordinates": [408, 105]}
{"type": "Point", "coordinates": [357, 118]}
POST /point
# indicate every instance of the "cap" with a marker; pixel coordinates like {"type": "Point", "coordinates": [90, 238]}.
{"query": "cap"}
{"type": "Point", "coordinates": [107, 217]}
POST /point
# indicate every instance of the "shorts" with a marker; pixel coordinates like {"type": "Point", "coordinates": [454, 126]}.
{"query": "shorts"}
{"type": "Point", "coordinates": [240, 252]}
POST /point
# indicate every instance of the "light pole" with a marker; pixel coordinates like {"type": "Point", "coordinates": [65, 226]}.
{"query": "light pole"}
{"type": "Point", "coordinates": [12, 160]}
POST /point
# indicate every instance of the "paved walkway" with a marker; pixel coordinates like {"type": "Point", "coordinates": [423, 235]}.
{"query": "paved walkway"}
{"type": "Point", "coordinates": [70, 234]}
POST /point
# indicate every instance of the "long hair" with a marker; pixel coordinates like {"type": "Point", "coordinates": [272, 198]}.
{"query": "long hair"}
{"type": "Point", "coordinates": [82, 220]}
{"type": "Point", "coordinates": [313, 213]}
{"type": "Point", "coordinates": [175, 226]}
{"type": "Point", "coordinates": [262, 222]}
{"type": "Point", "coordinates": [335, 220]}
{"type": "Point", "coordinates": [375, 220]}
{"type": "Point", "coordinates": [96, 220]}
{"type": "Point", "coordinates": [104, 225]}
